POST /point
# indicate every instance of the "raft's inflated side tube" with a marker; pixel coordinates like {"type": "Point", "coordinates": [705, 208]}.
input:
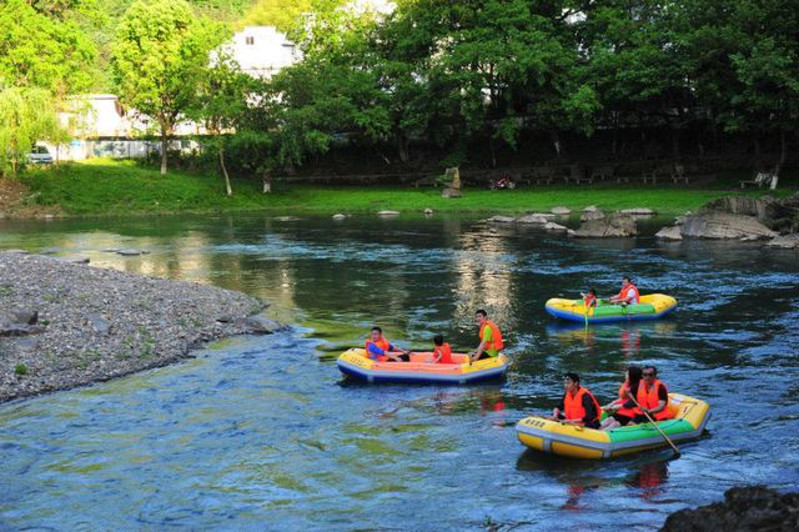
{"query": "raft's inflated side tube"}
{"type": "Point", "coordinates": [650, 307]}
{"type": "Point", "coordinates": [545, 435]}
{"type": "Point", "coordinates": [355, 364]}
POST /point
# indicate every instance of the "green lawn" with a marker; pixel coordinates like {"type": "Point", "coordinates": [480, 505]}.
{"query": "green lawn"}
{"type": "Point", "coordinates": [121, 187]}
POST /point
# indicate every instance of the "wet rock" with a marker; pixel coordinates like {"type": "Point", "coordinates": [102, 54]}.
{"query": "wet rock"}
{"type": "Point", "coordinates": [552, 226]}
{"type": "Point", "coordinates": [132, 252]}
{"type": "Point", "coordinates": [591, 208]}
{"type": "Point", "coordinates": [724, 226]}
{"type": "Point", "coordinates": [501, 220]}
{"type": "Point", "coordinates": [615, 226]}
{"type": "Point", "coordinates": [259, 324]}
{"type": "Point", "coordinates": [388, 214]}
{"type": "Point", "coordinates": [592, 214]}
{"type": "Point", "coordinates": [560, 211]}
{"type": "Point", "coordinates": [670, 233]}
{"type": "Point", "coordinates": [428, 212]}
{"type": "Point", "coordinates": [535, 218]}
{"type": "Point", "coordinates": [743, 509]}
{"type": "Point", "coordinates": [785, 242]}
{"type": "Point", "coordinates": [639, 211]}
{"type": "Point", "coordinates": [339, 216]}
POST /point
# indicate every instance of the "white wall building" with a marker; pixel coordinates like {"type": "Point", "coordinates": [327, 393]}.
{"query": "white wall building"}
{"type": "Point", "coordinates": [262, 51]}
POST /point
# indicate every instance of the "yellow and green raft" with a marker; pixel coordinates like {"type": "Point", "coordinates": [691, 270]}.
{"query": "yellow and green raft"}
{"type": "Point", "coordinates": [554, 437]}
{"type": "Point", "coordinates": [650, 307]}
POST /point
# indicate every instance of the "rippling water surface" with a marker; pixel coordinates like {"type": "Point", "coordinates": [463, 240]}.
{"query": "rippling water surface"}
{"type": "Point", "coordinates": [262, 432]}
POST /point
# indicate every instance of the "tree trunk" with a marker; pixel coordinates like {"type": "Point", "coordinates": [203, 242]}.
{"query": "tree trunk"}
{"type": "Point", "coordinates": [267, 182]}
{"type": "Point", "coordinates": [555, 141]}
{"type": "Point", "coordinates": [164, 141]}
{"type": "Point", "coordinates": [402, 145]}
{"type": "Point", "coordinates": [224, 171]}
{"type": "Point", "coordinates": [778, 167]}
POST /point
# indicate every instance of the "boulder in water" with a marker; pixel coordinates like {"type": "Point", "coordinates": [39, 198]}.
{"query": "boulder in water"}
{"type": "Point", "coordinates": [670, 233]}
{"type": "Point", "coordinates": [535, 218]}
{"type": "Point", "coordinates": [724, 226]}
{"type": "Point", "coordinates": [501, 220]}
{"type": "Point", "coordinates": [615, 226]}
{"type": "Point", "coordinates": [785, 242]}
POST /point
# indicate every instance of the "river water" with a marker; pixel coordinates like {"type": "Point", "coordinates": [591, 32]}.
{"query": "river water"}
{"type": "Point", "coordinates": [263, 433]}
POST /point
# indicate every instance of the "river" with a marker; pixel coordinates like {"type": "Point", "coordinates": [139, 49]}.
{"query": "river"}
{"type": "Point", "coordinates": [263, 432]}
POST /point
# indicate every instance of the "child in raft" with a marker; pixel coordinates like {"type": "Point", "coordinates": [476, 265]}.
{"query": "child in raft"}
{"type": "Point", "coordinates": [442, 352]}
{"type": "Point", "coordinates": [590, 299]}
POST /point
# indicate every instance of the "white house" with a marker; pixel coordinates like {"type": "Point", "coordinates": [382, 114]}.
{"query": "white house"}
{"type": "Point", "coordinates": [262, 51]}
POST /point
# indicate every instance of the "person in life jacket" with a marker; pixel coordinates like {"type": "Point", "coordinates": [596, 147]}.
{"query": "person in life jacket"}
{"type": "Point", "coordinates": [578, 406]}
{"type": "Point", "coordinates": [628, 294]}
{"type": "Point", "coordinates": [590, 300]}
{"type": "Point", "coordinates": [652, 397]}
{"type": "Point", "coordinates": [622, 411]}
{"type": "Point", "coordinates": [378, 348]}
{"type": "Point", "coordinates": [442, 352]}
{"type": "Point", "coordinates": [490, 338]}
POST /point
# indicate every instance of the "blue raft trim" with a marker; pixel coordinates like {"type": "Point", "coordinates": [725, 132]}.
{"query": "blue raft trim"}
{"type": "Point", "coordinates": [608, 319]}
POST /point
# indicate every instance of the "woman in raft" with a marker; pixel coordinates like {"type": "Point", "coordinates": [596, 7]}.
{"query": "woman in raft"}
{"type": "Point", "coordinates": [623, 411]}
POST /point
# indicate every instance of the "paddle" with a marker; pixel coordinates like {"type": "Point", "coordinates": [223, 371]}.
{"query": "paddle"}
{"type": "Point", "coordinates": [654, 423]}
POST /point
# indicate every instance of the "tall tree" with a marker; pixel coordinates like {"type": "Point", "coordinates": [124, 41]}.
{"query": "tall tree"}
{"type": "Point", "coordinates": [26, 116]}
{"type": "Point", "coordinates": [158, 59]}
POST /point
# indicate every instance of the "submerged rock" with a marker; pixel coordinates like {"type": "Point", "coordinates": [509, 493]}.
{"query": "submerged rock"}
{"type": "Point", "coordinates": [724, 226]}
{"type": "Point", "coordinates": [615, 226]}
{"type": "Point", "coordinates": [744, 508]}
{"type": "Point", "coordinates": [670, 233]}
{"type": "Point", "coordinates": [786, 242]}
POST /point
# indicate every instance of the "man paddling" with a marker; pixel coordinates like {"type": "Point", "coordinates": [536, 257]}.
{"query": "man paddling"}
{"type": "Point", "coordinates": [652, 397]}
{"type": "Point", "coordinates": [380, 349]}
{"type": "Point", "coordinates": [490, 338]}
{"type": "Point", "coordinates": [628, 295]}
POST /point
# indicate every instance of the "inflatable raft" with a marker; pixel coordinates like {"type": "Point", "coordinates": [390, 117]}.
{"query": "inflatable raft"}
{"type": "Point", "coordinates": [354, 363]}
{"type": "Point", "coordinates": [542, 434]}
{"type": "Point", "coordinates": [650, 307]}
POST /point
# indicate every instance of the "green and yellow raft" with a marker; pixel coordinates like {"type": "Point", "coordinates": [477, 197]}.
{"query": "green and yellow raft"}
{"type": "Point", "coordinates": [547, 436]}
{"type": "Point", "coordinates": [650, 307]}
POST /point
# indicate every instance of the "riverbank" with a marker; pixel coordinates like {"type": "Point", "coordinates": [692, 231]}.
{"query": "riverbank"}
{"type": "Point", "coordinates": [109, 188]}
{"type": "Point", "coordinates": [66, 324]}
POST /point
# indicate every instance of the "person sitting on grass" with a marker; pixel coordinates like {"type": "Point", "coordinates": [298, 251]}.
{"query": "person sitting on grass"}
{"type": "Point", "coordinates": [578, 406]}
{"type": "Point", "coordinates": [628, 295]}
{"type": "Point", "coordinates": [442, 352]}
{"type": "Point", "coordinates": [378, 348]}
{"type": "Point", "coordinates": [622, 411]}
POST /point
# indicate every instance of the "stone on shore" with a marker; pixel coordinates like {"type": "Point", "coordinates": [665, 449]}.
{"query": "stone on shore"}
{"type": "Point", "coordinates": [339, 216]}
{"type": "Point", "coordinates": [131, 252]}
{"type": "Point", "coordinates": [744, 508]}
{"type": "Point", "coordinates": [592, 213]}
{"type": "Point", "coordinates": [670, 233]}
{"type": "Point", "coordinates": [388, 214]}
{"type": "Point", "coordinates": [286, 218]}
{"type": "Point", "coordinates": [617, 225]}
{"type": "Point", "coordinates": [501, 219]}
{"type": "Point", "coordinates": [639, 211]}
{"type": "Point", "coordinates": [428, 211]}
{"type": "Point", "coordinates": [786, 242]}
{"type": "Point", "coordinates": [74, 259]}
{"type": "Point", "coordinates": [552, 226]}
{"type": "Point", "coordinates": [560, 211]}
{"type": "Point", "coordinates": [535, 218]}
{"type": "Point", "coordinates": [83, 324]}
{"type": "Point", "coordinates": [723, 226]}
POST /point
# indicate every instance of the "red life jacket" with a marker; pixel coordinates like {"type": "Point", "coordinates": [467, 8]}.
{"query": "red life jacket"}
{"type": "Point", "coordinates": [590, 301]}
{"type": "Point", "coordinates": [446, 353]}
{"type": "Point", "coordinates": [382, 344]}
{"type": "Point", "coordinates": [648, 398]}
{"type": "Point", "coordinates": [623, 293]}
{"type": "Point", "coordinates": [496, 336]}
{"type": "Point", "coordinates": [623, 391]}
{"type": "Point", "coordinates": [573, 406]}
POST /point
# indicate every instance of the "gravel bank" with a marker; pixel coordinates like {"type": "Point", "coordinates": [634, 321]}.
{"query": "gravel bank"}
{"type": "Point", "coordinates": [64, 325]}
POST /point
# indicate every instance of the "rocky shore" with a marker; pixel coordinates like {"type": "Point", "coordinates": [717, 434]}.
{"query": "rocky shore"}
{"type": "Point", "coordinates": [65, 324]}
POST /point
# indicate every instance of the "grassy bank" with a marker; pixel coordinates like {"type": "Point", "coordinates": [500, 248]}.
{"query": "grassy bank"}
{"type": "Point", "coordinates": [103, 187]}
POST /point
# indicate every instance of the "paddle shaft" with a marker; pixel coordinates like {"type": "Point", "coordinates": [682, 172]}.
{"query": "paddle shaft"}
{"type": "Point", "coordinates": [654, 423]}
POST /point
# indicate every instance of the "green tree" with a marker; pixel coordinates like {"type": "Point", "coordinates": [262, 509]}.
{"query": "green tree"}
{"type": "Point", "coordinates": [283, 14]}
{"type": "Point", "coordinates": [221, 103]}
{"type": "Point", "coordinates": [27, 115]}
{"type": "Point", "coordinates": [158, 61]}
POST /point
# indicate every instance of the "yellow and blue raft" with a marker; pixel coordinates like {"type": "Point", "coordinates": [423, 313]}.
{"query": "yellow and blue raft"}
{"type": "Point", "coordinates": [650, 307]}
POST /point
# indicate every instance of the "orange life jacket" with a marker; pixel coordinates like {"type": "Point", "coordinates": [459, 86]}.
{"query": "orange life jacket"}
{"type": "Point", "coordinates": [446, 353]}
{"type": "Point", "coordinates": [573, 405]}
{"type": "Point", "coordinates": [382, 344]}
{"type": "Point", "coordinates": [648, 398]}
{"type": "Point", "coordinates": [623, 391]}
{"type": "Point", "coordinates": [623, 293]}
{"type": "Point", "coordinates": [496, 336]}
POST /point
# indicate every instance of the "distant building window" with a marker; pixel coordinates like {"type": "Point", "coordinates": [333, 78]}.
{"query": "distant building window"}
{"type": "Point", "coordinates": [249, 40]}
